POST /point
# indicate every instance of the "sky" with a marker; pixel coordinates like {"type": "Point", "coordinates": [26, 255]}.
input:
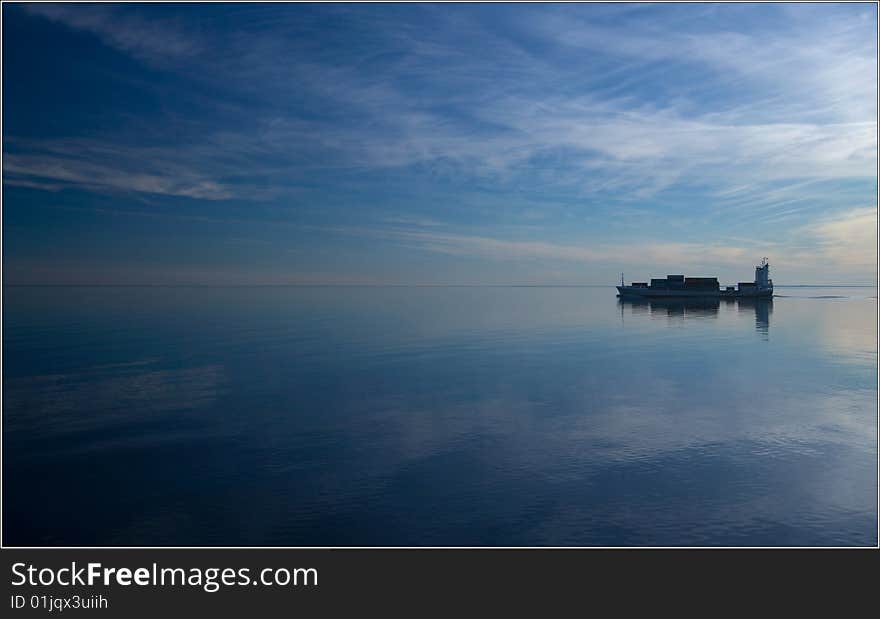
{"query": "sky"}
{"type": "Point", "coordinates": [438, 143]}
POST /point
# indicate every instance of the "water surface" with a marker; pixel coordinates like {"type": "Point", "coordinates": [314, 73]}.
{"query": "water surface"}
{"type": "Point", "coordinates": [328, 416]}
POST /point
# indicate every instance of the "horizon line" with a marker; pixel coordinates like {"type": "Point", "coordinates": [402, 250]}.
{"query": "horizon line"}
{"type": "Point", "coordinates": [369, 285]}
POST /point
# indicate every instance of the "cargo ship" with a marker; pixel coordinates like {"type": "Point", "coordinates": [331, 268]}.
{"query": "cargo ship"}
{"type": "Point", "coordinates": [705, 287]}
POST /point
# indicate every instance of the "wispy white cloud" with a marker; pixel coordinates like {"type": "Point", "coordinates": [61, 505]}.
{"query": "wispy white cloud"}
{"type": "Point", "coordinates": [505, 249]}
{"type": "Point", "coordinates": [57, 172]}
{"type": "Point", "coordinates": [848, 240]}
{"type": "Point", "coordinates": [146, 38]}
{"type": "Point", "coordinates": [811, 58]}
{"type": "Point", "coordinates": [842, 244]}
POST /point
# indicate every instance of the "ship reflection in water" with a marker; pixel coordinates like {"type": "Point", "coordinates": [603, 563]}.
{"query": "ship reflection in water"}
{"type": "Point", "coordinates": [762, 308]}
{"type": "Point", "coordinates": [699, 308]}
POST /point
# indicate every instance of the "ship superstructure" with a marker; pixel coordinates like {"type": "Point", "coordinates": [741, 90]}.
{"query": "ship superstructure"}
{"type": "Point", "coordinates": [681, 286]}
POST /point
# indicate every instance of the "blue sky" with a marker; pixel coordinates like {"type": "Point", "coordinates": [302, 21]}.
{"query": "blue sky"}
{"type": "Point", "coordinates": [459, 143]}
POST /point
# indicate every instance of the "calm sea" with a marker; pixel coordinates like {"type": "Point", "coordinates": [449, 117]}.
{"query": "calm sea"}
{"type": "Point", "coordinates": [471, 416]}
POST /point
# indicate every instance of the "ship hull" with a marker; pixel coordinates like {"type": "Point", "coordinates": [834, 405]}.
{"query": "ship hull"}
{"type": "Point", "coordinates": [654, 293]}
